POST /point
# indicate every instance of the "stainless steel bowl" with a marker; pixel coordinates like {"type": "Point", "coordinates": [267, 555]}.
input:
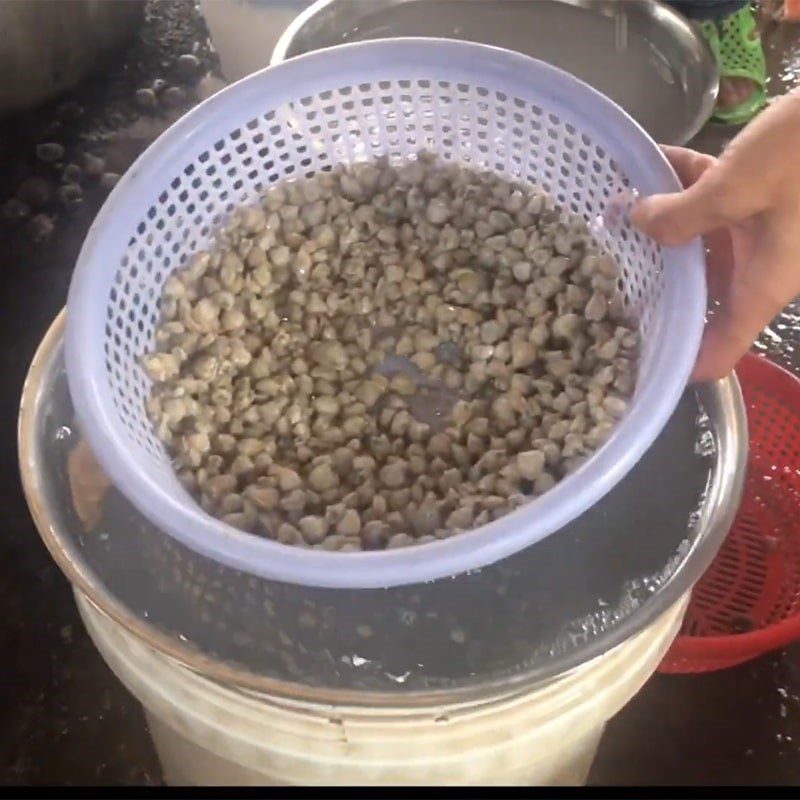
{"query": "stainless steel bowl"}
{"type": "Point", "coordinates": [528, 619]}
{"type": "Point", "coordinates": [640, 53]}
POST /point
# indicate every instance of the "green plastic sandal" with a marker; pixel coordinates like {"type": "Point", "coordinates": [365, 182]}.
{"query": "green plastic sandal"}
{"type": "Point", "coordinates": [737, 48]}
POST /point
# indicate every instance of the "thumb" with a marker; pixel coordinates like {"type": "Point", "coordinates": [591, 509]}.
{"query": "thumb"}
{"type": "Point", "coordinates": [715, 201]}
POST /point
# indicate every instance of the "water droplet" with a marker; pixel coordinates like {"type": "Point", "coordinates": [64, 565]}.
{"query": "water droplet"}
{"type": "Point", "coordinates": [705, 445]}
{"type": "Point", "coordinates": [63, 433]}
{"type": "Point", "coordinates": [597, 227]}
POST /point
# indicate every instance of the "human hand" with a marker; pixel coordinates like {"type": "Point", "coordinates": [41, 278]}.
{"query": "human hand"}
{"type": "Point", "coordinates": [747, 206]}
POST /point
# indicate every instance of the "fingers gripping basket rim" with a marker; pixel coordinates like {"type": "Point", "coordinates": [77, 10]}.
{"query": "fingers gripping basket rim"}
{"type": "Point", "coordinates": [676, 328]}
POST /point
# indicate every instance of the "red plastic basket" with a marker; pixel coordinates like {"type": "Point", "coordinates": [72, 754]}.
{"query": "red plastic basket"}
{"type": "Point", "coordinates": [748, 601]}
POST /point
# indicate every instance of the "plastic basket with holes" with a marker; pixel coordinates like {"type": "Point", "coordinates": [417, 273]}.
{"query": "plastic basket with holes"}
{"type": "Point", "coordinates": [482, 106]}
{"type": "Point", "coordinates": [748, 601]}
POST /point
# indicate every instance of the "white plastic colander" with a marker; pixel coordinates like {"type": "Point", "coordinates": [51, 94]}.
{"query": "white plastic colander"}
{"type": "Point", "coordinates": [478, 105]}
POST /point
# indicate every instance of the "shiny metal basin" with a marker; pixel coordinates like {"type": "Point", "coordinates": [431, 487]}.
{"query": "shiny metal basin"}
{"type": "Point", "coordinates": [515, 624]}
{"type": "Point", "coordinates": [640, 53]}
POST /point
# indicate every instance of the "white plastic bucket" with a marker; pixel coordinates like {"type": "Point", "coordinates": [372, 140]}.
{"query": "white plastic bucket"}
{"type": "Point", "coordinates": [209, 734]}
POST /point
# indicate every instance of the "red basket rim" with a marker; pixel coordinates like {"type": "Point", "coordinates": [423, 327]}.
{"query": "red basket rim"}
{"type": "Point", "coordinates": [773, 636]}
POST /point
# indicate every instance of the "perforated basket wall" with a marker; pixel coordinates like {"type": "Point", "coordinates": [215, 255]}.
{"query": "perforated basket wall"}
{"type": "Point", "coordinates": [475, 105]}
{"type": "Point", "coordinates": [748, 601]}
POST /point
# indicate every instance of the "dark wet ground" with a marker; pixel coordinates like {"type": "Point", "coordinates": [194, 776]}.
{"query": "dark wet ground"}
{"type": "Point", "coordinates": [66, 720]}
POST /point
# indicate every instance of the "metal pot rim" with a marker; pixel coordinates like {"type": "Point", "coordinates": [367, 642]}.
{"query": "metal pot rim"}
{"type": "Point", "coordinates": [722, 500]}
{"type": "Point", "coordinates": [665, 13]}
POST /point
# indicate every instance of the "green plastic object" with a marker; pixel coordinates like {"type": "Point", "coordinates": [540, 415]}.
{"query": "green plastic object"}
{"type": "Point", "coordinates": [737, 48]}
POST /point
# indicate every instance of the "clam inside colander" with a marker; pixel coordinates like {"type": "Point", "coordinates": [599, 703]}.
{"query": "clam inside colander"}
{"type": "Point", "coordinates": [387, 354]}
